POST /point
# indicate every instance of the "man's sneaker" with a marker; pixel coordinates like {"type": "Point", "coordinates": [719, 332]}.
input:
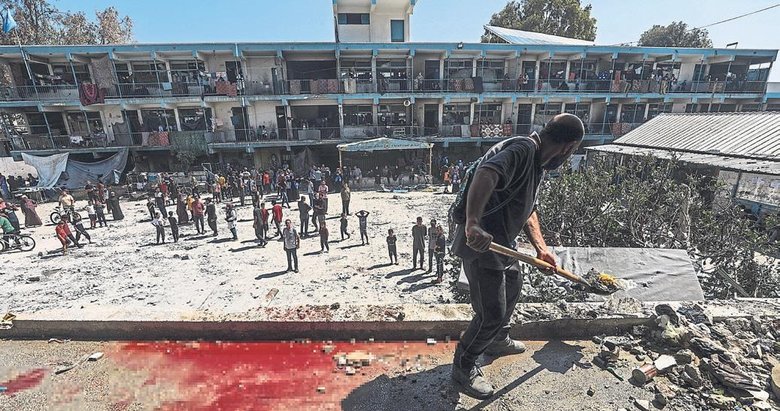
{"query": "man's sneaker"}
{"type": "Point", "coordinates": [507, 346]}
{"type": "Point", "coordinates": [472, 382]}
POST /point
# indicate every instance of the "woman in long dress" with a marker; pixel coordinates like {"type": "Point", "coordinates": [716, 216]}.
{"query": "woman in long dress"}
{"type": "Point", "coordinates": [113, 206]}
{"type": "Point", "coordinates": [31, 218]}
{"type": "Point", "coordinates": [181, 209]}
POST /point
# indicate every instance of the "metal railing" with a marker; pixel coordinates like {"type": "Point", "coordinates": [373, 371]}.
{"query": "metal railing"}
{"type": "Point", "coordinates": [320, 86]}
{"type": "Point", "coordinates": [39, 92]}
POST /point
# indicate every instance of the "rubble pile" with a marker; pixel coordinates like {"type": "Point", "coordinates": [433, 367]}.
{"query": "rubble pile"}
{"type": "Point", "coordinates": [689, 362]}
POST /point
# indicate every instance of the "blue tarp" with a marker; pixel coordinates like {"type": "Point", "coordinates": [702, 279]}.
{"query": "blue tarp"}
{"type": "Point", "coordinates": [60, 171]}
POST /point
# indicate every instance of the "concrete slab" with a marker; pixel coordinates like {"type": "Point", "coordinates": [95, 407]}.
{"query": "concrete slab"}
{"type": "Point", "coordinates": [398, 322]}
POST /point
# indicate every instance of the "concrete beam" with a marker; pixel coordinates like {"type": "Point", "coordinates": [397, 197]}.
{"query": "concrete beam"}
{"type": "Point", "coordinates": [390, 322]}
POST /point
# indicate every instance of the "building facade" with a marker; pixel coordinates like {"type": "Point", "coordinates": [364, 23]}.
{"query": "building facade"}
{"type": "Point", "coordinates": [265, 102]}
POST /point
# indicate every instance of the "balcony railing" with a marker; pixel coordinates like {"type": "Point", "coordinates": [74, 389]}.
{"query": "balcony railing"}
{"type": "Point", "coordinates": [348, 132]}
{"type": "Point", "coordinates": [321, 86]}
{"type": "Point", "coordinates": [40, 92]}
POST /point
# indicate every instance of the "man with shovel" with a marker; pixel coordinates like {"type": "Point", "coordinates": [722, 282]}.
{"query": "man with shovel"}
{"type": "Point", "coordinates": [497, 202]}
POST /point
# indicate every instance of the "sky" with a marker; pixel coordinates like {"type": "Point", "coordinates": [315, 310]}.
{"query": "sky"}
{"type": "Point", "coordinates": [618, 21]}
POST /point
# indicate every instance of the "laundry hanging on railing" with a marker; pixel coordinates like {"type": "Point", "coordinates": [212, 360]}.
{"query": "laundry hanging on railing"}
{"type": "Point", "coordinates": [90, 93]}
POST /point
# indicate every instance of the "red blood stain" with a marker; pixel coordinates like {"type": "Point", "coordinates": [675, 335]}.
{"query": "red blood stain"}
{"type": "Point", "coordinates": [23, 382]}
{"type": "Point", "coordinates": [261, 376]}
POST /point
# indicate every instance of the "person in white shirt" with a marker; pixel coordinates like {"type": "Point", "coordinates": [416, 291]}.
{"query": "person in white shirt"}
{"type": "Point", "coordinates": [159, 223]}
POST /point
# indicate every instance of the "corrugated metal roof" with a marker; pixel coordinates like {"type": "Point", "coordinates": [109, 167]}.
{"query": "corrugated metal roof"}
{"type": "Point", "coordinates": [721, 162]}
{"type": "Point", "coordinates": [513, 36]}
{"type": "Point", "coordinates": [749, 135]}
{"type": "Point", "coordinates": [384, 143]}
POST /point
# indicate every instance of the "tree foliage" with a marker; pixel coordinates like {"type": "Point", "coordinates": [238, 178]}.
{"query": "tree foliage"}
{"type": "Point", "coordinates": [566, 18]}
{"type": "Point", "coordinates": [646, 202]}
{"type": "Point", "coordinates": [676, 34]}
{"type": "Point", "coordinates": [40, 22]}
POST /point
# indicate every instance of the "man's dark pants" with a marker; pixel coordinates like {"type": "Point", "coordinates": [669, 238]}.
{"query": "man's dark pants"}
{"type": "Point", "coordinates": [494, 294]}
{"type": "Point", "coordinates": [304, 224]}
{"type": "Point", "coordinates": [415, 251]}
{"type": "Point", "coordinates": [199, 224]}
{"type": "Point", "coordinates": [292, 257]}
{"type": "Point", "coordinates": [430, 258]}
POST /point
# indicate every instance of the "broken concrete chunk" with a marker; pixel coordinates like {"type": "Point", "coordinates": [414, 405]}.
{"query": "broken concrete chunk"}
{"type": "Point", "coordinates": [643, 405]}
{"type": "Point", "coordinates": [684, 357]}
{"type": "Point", "coordinates": [430, 341]}
{"type": "Point", "coordinates": [775, 380]}
{"type": "Point", "coordinates": [664, 362]}
{"type": "Point", "coordinates": [722, 402]}
{"type": "Point", "coordinates": [691, 375]}
{"type": "Point", "coordinates": [349, 370]}
{"type": "Point", "coordinates": [96, 356]}
{"type": "Point", "coordinates": [321, 389]}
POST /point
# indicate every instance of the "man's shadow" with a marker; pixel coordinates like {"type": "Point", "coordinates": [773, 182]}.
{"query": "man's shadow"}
{"type": "Point", "coordinates": [433, 389]}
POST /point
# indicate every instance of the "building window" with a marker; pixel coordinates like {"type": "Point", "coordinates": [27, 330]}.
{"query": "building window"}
{"type": "Point", "coordinates": [457, 68]}
{"type": "Point", "coordinates": [392, 115]}
{"type": "Point", "coordinates": [354, 18]}
{"type": "Point", "coordinates": [751, 107]}
{"type": "Point", "coordinates": [158, 120]}
{"type": "Point", "coordinates": [698, 72]}
{"type": "Point", "coordinates": [37, 123]}
{"type": "Point", "coordinates": [147, 72]}
{"type": "Point", "coordinates": [488, 113]}
{"type": "Point", "coordinates": [65, 72]}
{"type": "Point", "coordinates": [656, 109]}
{"type": "Point", "coordinates": [358, 116]}
{"type": "Point", "coordinates": [187, 71]}
{"type": "Point", "coordinates": [545, 113]}
{"type": "Point", "coordinates": [84, 123]}
{"type": "Point", "coordinates": [397, 31]}
{"type": "Point", "coordinates": [632, 113]}
{"type": "Point", "coordinates": [456, 114]}
{"type": "Point", "coordinates": [691, 108]}
{"type": "Point", "coordinates": [194, 119]}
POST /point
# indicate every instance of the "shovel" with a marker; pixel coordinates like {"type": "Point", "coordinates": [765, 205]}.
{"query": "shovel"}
{"type": "Point", "coordinates": [591, 286]}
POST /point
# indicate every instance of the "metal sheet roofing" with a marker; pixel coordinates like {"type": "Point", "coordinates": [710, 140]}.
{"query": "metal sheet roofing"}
{"type": "Point", "coordinates": [748, 135]}
{"type": "Point", "coordinates": [757, 166]}
{"type": "Point", "coordinates": [513, 36]}
{"type": "Point", "coordinates": [384, 143]}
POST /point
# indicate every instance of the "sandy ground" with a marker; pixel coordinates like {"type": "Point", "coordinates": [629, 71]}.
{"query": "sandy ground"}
{"type": "Point", "coordinates": [201, 274]}
{"type": "Point", "coordinates": [552, 375]}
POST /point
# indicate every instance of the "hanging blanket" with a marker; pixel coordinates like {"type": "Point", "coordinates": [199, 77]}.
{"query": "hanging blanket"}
{"type": "Point", "coordinates": [89, 94]}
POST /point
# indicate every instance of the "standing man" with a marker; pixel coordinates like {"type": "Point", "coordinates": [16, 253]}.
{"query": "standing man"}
{"type": "Point", "coordinates": [260, 223]}
{"type": "Point", "coordinates": [197, 215]}
{"type": "Point", "coordinates": [66, 201]}
{"type": "Point", "coordinates": [276, 211]}
{"type": "Point", "coordinates": [304, 209]}
{"type": "Point", "coordinates": [431, 243]}
{"type": "Point", "coordinates": [441, 245]}
{"type": "Point", "coordinates": [291, 244]}
{"type": "Point", "coordinates": [211, 216]}
{"type": "Point", "coordinates": [346, 196]}
{"type": "Point", "coordinates": [499, 204]}
{"type": "Point", "coordinates": [174, 226]}
{"type": "Point", "coordinates": [418, 243]}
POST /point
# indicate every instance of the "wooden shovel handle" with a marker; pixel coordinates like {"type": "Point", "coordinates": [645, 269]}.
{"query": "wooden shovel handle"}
{"type": "Point", "coordinates": [541, 264]}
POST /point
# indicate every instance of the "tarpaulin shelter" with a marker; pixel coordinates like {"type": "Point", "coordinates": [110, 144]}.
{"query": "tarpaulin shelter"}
{"type": "Point", "coordinates": [62, 171]}
{"type": "Point", "coordinates": [386, 144]}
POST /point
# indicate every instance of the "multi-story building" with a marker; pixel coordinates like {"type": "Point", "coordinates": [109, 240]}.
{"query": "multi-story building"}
{"type": "Point", "coordinates": [260, 102]}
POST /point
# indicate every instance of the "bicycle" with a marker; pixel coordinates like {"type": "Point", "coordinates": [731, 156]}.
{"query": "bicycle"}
{"type": "Point", "coordinates": [58, 212]}
{"type": "Point", "coordinates": [17, 241]}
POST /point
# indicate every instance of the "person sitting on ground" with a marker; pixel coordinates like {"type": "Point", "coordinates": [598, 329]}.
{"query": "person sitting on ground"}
{"type": "Point", "coordinates": [174, 226]}
{"type": "Point", "coordinates": [64, 235]}
{"type": "Point", "coordinates": [324, 248]}
{"type": "Point", "coordinates": [391, 249]}
{"type": "Point", "coordinates": [362, 216]}
{"type": "Point", "coordinates": [159, 226]}
{"type": "Point", "coordinates": [231, 217]}
{"type": "Point", "coordinates": [78, 226]}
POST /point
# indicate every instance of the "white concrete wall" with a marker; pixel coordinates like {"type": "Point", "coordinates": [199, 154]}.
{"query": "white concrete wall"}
{"type": "Point", "coordinates": [354, 33]}
{"type": "Point", "coordinates": [262, 113]}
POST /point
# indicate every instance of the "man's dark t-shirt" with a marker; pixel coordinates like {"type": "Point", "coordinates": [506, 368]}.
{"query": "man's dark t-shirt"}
{"type": "Point", "coordinates": [517, 163]}
{"type": "Point", "coordinates": [418, 236]}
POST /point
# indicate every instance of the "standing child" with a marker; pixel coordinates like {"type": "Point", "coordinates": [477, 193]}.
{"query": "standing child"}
{"type": "Point", "coordinates": [150, 207]}
{"type": "Point", "coordinates": [391, 240]}
{"type": "Point", "coordinates": [174, 226]}
{"type": "Point", "coordinates": [362, 216]}
{"type": "Point", "coordinates": [80, 230]}
{"type": "Point", "coordinates": [324, 248]}
{"type": "Point", "coordinates": [276, 211]}
{"type": "Point", "coordinates": [100, 211]}
{"type": "Point", "coordinates": [231, 217]}
{"type": "Point", "coordinates": [344, 223]}
{"type": "Point", "coordinates": [91, 214]}
{"type": "Point", "coordinates": [159, 225]}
